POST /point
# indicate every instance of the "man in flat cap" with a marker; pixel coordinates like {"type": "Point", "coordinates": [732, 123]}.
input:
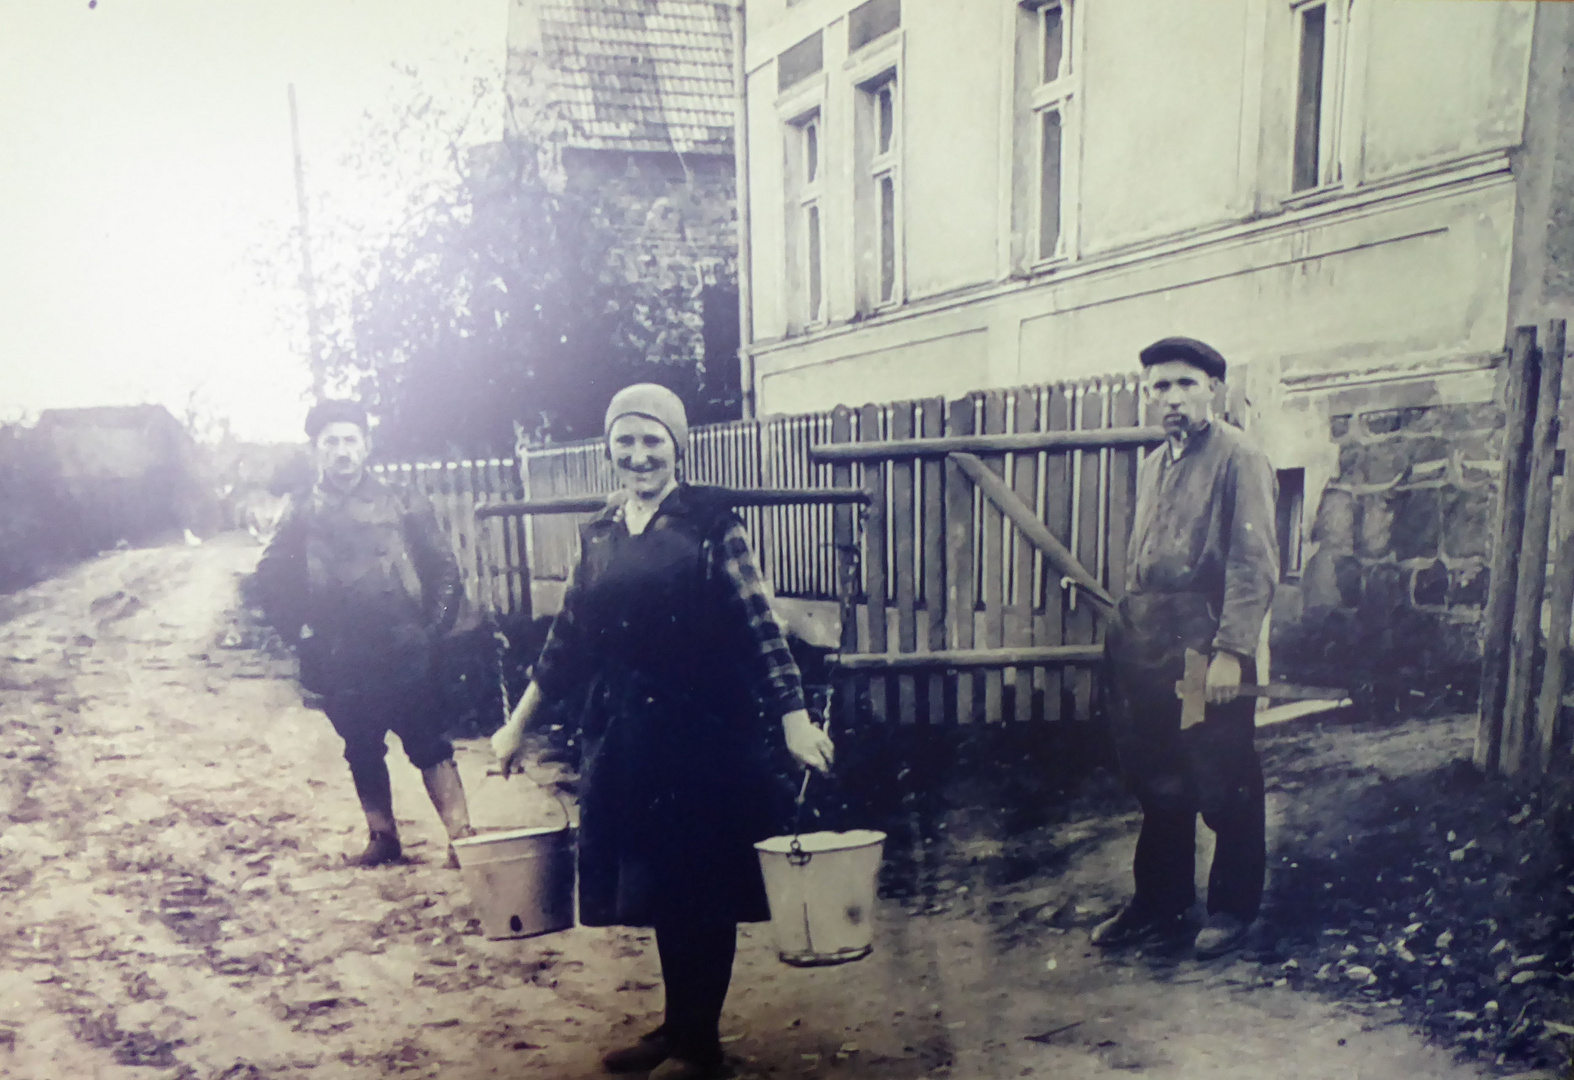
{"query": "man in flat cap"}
{"type": "Point", "coordinates": [1202, 566]}
{"type": "Point", "coordinates": [362, 583]}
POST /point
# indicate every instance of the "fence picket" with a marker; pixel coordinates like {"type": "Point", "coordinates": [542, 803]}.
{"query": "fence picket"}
{"type": "Point", "coordinates": [875, 563]}
{"type": "Point", "coordinates": [1082, 625]}
{"type": "Point", "coordinates": [904, 568]}
{"type": "Point", "coordinates": [931, 550]}
{"type": "Point", "coordinates": [960, 574]}
{"type": "Point", "coordinates": [1022, 474]}
{"type": "Point", "coordinates": [993, 560]}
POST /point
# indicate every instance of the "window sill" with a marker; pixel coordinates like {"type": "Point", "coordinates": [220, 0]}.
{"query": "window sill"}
{"type": "Point", "coordinates": [1316, 196]}
{"type": "Point", "coordinates": [1049, 266]}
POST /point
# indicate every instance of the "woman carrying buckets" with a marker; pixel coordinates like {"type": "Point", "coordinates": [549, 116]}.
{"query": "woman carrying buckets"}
{"type": "Point", "coordinates": [667, 635]}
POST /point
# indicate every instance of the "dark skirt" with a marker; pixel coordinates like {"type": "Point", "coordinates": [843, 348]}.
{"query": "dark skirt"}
{"type": "Point", "coordinates": [674, 797]}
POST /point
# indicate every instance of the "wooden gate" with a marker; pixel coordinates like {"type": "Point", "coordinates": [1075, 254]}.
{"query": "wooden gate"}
{"type": "Point", "coordinates": [969, 620]}
{"type": "Point", "coordinates": [955, 615]}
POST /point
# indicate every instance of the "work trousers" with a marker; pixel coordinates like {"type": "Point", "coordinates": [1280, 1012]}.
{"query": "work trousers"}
{"type": "Point", "coordinates": [1212, 769]}
{"type": "Point", "coordinates": [696, 969]}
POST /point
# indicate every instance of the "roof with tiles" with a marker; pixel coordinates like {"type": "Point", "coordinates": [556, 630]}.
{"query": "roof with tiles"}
{"type": "Point", "coordinates": [640, 74]}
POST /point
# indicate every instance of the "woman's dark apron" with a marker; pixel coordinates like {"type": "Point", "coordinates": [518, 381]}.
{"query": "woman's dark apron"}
{"type": "Point", "coordinates": [676, 779]}
{"type": "Point", "coordinates": [1206, 767]}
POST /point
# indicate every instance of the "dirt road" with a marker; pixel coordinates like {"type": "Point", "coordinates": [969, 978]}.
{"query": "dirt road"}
{"type": "Point", "coordinates": [174, 904]}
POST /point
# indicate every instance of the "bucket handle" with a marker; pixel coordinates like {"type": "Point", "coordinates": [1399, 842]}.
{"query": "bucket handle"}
{"type": "Point", "coordinates": [796, 855]}
{"type": "Point", "coordinates": [500, 640]}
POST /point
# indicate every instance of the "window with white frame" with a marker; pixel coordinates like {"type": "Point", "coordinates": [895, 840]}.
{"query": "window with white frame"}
{"type": "Point", "coordinates": [805, 225]}
{"type": "Point", "coordinates": [1321, 45]}
{"type": "Point", "coordinates": [1049, 123]}
{"type": "Point", "coordinates": [1046, 95]}
{"type": "Point", "coordinates": [879, 232]}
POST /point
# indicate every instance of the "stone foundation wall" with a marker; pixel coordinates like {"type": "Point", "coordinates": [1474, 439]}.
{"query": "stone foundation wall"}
{"type": "Point", "coordinates": [1393, 591]}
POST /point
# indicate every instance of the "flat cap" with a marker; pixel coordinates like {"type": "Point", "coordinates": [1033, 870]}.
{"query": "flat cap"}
{"type": "Point", "coordinates": [335, 411]}
{"type": "Point", "coordinates": [1196, 353]}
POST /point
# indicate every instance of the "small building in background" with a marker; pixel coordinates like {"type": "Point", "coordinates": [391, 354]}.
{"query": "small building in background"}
{"type": "Point", "coordinates": [120, 473]}
{"type": "Point", "coordinates": [633, 103]}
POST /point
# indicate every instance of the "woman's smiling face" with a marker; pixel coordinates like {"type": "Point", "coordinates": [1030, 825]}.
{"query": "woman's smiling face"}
{"type": "Point", "coordinates": [643, 454]}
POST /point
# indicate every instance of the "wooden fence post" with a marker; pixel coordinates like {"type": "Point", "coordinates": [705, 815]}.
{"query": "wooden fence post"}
{"type": "Point", "coordinates": [1560, 602]}
{"type": "Point", "coordinates": [1519, 416]}
{"type": "Point", "coordinates": [844, 539]}
{"type": "Point", "coordinates": [1519, 750]}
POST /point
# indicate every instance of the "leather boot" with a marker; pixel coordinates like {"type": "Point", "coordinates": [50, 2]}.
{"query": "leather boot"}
{"type": "Point", "coordinates": [447, 793]}
{"type": "Point", "coordinates": [376, 794]}
{"type": "Point", "coordinates": [382, 848]}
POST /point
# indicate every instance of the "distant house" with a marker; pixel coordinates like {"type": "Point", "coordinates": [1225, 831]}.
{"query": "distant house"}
{"type": "Point", "coordinates": [121, 473]}
{"type": "Point", "coordinates": [635, 101]}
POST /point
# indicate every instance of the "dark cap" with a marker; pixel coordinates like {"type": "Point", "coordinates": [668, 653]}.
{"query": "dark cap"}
{"type": "Point", "coordinates": [334, 411]}
{"type": "Point", "coordinates": [1189, 350]}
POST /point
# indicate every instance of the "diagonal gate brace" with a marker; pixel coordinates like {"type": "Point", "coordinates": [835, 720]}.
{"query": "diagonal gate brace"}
{"type": "Point", "coordinates": [1027, 522]}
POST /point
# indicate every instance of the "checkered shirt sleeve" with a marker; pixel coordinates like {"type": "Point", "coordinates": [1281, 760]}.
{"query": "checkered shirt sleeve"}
{"type": "Point", "coordinates": [781, 687]}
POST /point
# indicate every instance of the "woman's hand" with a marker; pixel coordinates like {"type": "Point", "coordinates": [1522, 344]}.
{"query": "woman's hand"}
{"type": "Point", "coordinates": [809, 744]}
{"type": "Point", "coordinates": [508, 742]}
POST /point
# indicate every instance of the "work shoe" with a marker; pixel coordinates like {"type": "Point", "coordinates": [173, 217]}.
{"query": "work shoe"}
{"type": "Point", "coordinates": [382, 848]}
{"type": "Point", "coordinates": [650, 1051]}
{"type": "Point", "coordinates": [453, 856]}
{"type": "Point", "coordinates": [1133, 925]}
{"type": "Point", "coordinates": [676, 1068]}
{"type": "Point", "coordinates": [1222, 932]}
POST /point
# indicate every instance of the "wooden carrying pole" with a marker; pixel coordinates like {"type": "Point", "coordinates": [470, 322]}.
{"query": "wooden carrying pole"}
{"type": "Point", "coordinates": [1520, 750]}
{"type": "Point", "coordinates": [1519, 410]}
{"type": "Point", "coordinates": [1022, 516]}
{"type": "Point", "coordinates": [589, 504]}
{"type": "Point", "coordinates": [1021, 441]}
{"type": "Point", "coordinates": [1560, 600]}
{"type": "Point", "coordinates": [1024, 656]}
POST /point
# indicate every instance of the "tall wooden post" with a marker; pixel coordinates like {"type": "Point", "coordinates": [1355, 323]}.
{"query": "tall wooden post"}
{"type": "Point", "coordinates": [1519, 417]}
{"type": "Point", "coordinates": [1520, 749]}
{"type": "Point", "coordinates": [1560, 600]}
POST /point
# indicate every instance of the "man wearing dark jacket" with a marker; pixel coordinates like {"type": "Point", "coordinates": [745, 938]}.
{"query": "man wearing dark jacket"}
{"type": "Point", "coordinates": [361, 582]}
{"type": "Point", "coordinates": [1202, 566]}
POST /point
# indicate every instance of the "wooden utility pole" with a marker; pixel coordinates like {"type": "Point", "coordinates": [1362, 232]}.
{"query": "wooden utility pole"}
{"type": "Point", "coordinates": [308, 280]}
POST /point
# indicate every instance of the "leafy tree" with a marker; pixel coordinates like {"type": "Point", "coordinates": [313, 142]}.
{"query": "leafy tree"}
{"type": "Point", "coordinates": [486, 296]}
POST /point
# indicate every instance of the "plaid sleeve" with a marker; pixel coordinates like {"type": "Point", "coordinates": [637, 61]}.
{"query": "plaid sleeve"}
{"type": "Point", "coordinates": [782, 687]}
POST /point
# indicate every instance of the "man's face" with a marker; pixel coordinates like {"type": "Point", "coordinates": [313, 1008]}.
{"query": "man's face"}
{"type": "Point", "coordinates": [341, 453]}
{"type": "Point", "coordinates": [643, 454]}
{"type": "Point", "coordinates": [1181, 394]}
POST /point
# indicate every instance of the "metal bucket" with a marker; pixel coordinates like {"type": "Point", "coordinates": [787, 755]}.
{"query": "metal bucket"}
{"type": "Point", "coordinates": [821, 887]}
{"type": "Point", "coordinates": [521, 880]}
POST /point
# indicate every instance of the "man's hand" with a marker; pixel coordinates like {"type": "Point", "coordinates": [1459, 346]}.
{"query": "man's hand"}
{"type": "Point", "coordinates": [1224, 678]}
{"type": "Point", "coordinates": [508, 742]}
{"type": "Point", "coordinates": [810, 745]}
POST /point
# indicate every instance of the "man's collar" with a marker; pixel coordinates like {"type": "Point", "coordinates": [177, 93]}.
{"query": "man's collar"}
{"type": "Point", "coordinates": [1194, 438]}
{"type": "Point", "coordinates": [332, 491]}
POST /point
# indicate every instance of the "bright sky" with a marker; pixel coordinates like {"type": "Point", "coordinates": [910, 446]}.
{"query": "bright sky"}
{"type": "Point", "coordinates": [145, 157]}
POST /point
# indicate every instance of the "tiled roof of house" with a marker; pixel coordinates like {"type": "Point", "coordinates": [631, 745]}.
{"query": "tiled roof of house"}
{"type": "Point", "coordinates": [640, 74]}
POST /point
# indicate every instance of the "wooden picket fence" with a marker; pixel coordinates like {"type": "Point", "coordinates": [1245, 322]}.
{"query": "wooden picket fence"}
{"type": "Point", "coordinates": [939, 589]}
{"type": "Point", "coordinates": [491, 551]}
{"type": "Point", "coordinates": [1530, 602]}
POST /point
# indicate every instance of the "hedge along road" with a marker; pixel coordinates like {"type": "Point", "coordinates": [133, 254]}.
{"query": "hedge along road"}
{"type": "Point", "coordinates": [174, 904]}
